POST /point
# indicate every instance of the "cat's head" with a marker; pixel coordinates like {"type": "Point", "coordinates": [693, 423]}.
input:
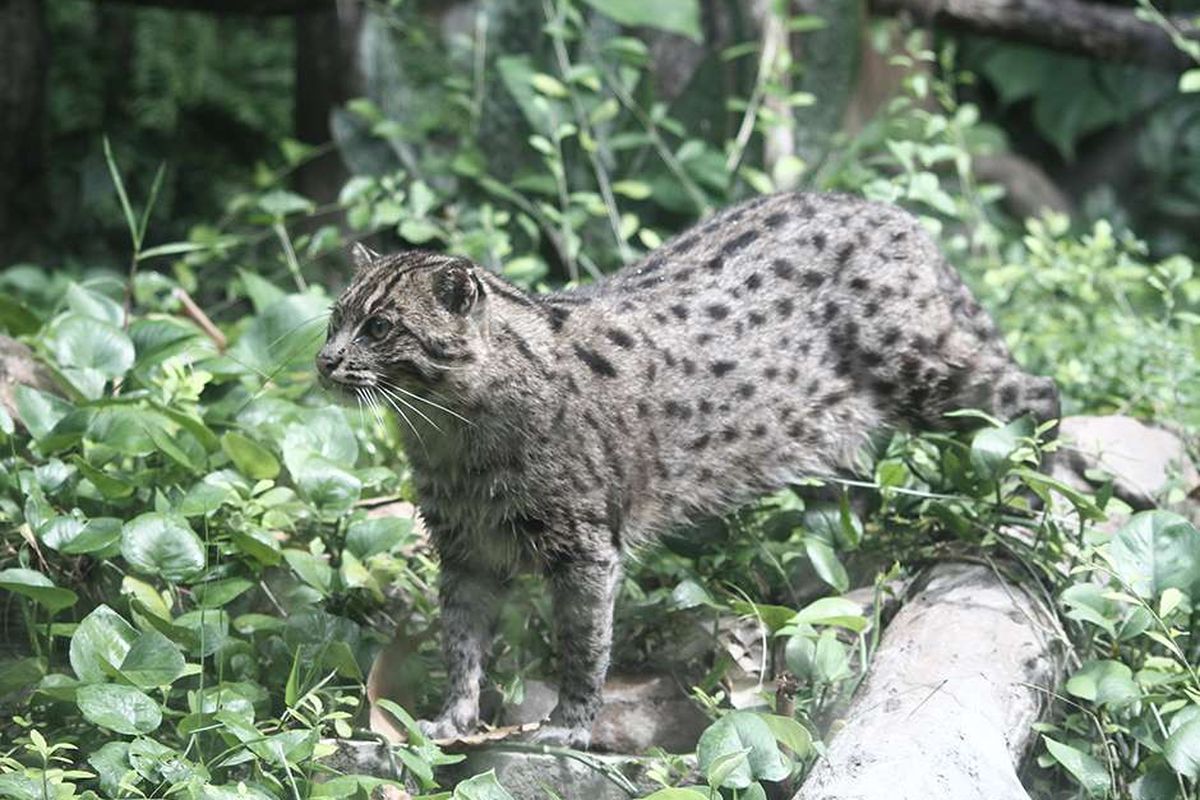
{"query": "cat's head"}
{"type": "Point", "coordinates": [413, 320]}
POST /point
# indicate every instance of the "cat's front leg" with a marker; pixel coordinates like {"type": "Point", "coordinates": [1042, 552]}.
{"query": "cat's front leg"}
{"type": "Point", "coordinates": [470, 602]}
{"type": "Point", "coordinates": [584, 592]}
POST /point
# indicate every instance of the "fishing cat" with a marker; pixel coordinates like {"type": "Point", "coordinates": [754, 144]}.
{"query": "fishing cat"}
{"type": "Point", "coordinates": [554, 432]}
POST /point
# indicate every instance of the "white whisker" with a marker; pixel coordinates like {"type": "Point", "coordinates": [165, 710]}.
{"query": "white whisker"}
{"type": "Point", "coordinates": [399, 411]}
{"type": "Point", "coordinates": [425, 400]}
{"type": "Point", "coordinates": [396, 398]}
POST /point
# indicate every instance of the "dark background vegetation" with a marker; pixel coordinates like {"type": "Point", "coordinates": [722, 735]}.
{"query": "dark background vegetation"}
{"type": "Point", "coordinates": [194, 592]}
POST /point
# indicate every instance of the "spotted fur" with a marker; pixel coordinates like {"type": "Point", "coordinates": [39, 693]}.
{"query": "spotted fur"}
{"type": "Point", "coordinates": [554, 432]}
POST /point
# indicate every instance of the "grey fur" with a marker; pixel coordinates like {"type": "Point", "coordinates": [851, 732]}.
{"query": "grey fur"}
{"type": "Point", "coordinates": [756, 348]}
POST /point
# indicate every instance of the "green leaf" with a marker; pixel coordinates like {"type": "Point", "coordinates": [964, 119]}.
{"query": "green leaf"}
{"type": "Point", "coordinates": [677, 794]}
{"type": "Point", "coordinates": [163, 545]}
{"type": "Point", "coordinates": [991, 451]}
{"type": "Point", "coordinates": [111, 763]}
{"type": "Point", "coordinates": [481, 787]}
{"type": "Point", "coordinates": [39, 411]}
{"type": "Point", "coordinates": [379, 535]}
{"type": "Point", "coordinates": [1190, 81]}
{"type": "Point", "coordinates": [250, 457]}
{"type": "Point", "coordinates": [215, 594]}
{"type": "Point", "coordinates": [94, 305]}
{"type": "Point", "coordinates": [673, 16]}
{"type": "Point", "coordinates": [19, 674]}
{"type": "Point", "coordinates": [83, 347]}
{"type": "Point", "coordinates": [313, 570]}
{"type": "Point", "coordinates": [800, 655]}
{"type": "Point", "coordinates": [1089, 772]}
{"type": "Point", "coordinates": [1182, 749]}
{"type": "Point", "coordinates": [37, 587]}
{"type": "Point", "coordinates": [1156, 550]}
{"type": "Point", "coordinates": [826, 563]}
{"type": "Point", "coordinates": [1105, 683]}
{"type": "Point", "coordinates": [789, 733]}
{"type": "Point", "coordinates": [122, 709]}
{"type": "Point", "coordinates": [280, 203]}
{"type": "Point", "coordinates": [831, 663]}
{"type": "Point", "coordinates": [735, 732]}
{"type": "Point", "coordinates": [153, 661]}
{"type": "Point", "coordinates": [831, 611]}
{"type": "Point", "coordinates": [100, 644]}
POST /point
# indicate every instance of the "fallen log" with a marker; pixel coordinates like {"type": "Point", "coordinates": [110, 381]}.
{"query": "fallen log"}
{"type": "Point", "coordinates": [962, 673]}
{"type": "Point", "coordinates": [1107, 33]}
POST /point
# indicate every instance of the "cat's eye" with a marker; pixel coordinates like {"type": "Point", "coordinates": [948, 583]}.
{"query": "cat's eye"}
{"type": "Point", "coordinates": [376, 327]}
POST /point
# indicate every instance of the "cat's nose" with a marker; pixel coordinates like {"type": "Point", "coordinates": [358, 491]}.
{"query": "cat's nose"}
{"type": "Point", "coordinates": [327, 362]}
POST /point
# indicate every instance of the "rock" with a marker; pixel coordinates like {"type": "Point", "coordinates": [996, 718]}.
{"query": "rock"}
{"type": "Point", "coordinates": [639, 712]}
{"type": "Point", "coordinates": [584, 776]}
{"type": "Point", "coordinates": [1147, 464]}
{"type": "Point", "coordinates": [19, 365]}
{"type": "Point", "coordinates": [962, 672]}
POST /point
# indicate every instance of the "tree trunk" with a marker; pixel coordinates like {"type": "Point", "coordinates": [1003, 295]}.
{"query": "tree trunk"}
{"type": "Point", "coordinates": [327, 75]}
{"type": "Point", "coordinates": [23, 65]}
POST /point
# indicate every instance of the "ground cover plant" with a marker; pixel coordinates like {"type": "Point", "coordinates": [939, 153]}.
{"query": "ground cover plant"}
{"type": "Point", "coordinates": [194, 585]}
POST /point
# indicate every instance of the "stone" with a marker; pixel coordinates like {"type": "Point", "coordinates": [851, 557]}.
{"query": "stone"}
{"type": "Point", "coordinates": [963, 671]}
{"type": "Point", "coordinates": [1148, 465]}
{"type": "Point", "coordinates": [19, 365]}
{"type": "Point", "coordinates": [639, 712]}
{"type": "Point", "coordinates": [526, 774]}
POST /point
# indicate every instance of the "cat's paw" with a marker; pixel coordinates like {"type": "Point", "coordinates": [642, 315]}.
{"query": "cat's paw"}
{"type": "Point", "coordinates": [557, 735]}
{"type": "Point", "coordinates": [443, 727]}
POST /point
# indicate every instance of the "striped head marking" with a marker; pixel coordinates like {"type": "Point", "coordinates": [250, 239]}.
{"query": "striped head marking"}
{"type": "Point", "coordinates": [414, 319]}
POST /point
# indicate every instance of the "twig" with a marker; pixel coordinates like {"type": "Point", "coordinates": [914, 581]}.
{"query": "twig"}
{"type": "Point", "coordinates": [196, 314]}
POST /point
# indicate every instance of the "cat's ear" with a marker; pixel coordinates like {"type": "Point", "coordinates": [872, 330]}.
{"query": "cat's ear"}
{"type": "Point", "coordinates": [362, 255]}
{"type": "Point", "coordinates": [457, 286]}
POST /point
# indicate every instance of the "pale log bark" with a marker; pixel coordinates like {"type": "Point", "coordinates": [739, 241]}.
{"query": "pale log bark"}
{"type": "Point", "coordinates": [962, 673]}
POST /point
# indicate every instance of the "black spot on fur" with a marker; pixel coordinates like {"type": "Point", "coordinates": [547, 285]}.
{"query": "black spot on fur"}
{"type": "Point", "coordinates": [700, 443]}
{"type": "Point", "coordinates": [831, 311]}
{"type": "Point", "coordinates": [819, 241]}
{"type": "Point", "coordinates": [745, 391]}
{"type": "Point", "coordinates": [758, 431]}
{"type": "Point", "coordinates": [620, 338]}
{"type": "Point", "coordinates": [673, 408]}
{"type": "Point", "coordinates": [683, 276]}
{"type": "Point", "coordinates": [860, 284]}
{"type": "Point", "coordinates": [870, 309]}
{"type": "Point", "coordinates": [720, 368]}
{"type": "Point", "coordinates": [775, 220]}
{"type": "Point", "coordinates": [596, 362]}
{"type": "Point", "coordinates": [680, 311]}
{"type": "Point", "coordinates": [705, 406]}
{"type": "Point", "coordinates": [685, 244]}
{"type": "Point", "coordinates": [755, 319]}
{"type": "Point", "coordinates": [844, 253]}
{"type": "Point", "coordinates": [792, 374]}
{"type": "Point", "coordinates": [783, 269]}
{"type": "Point", "coordinates": [689, 366]}
{"type": "Point", "coordinates": [660, 318]}
{"type": "Point", "coordinates": [754, 281]}
{"type": "Point", "coordinates": [785, 306]}
{"type": "Point", "coordinates": [771, 373]}
{"type": "Point", "coordinates": [1008, 394]}
{"type": "Point", "coordinates": [558, 317]}
{"type": "Point", "coordinates": [654, 263]}
{"type": "Point", "coordinates": [717, 310]}
{"type": "Point", "coordinates": [729, 434]}
{"type": "Point", "coordinates": [812, 279]}
{"type": "Point", "coordinates": [643, 408]}
{"type": "Point", "coordinates": [738, 242]}
{"type": "Point", "coordinates": [714, 264]}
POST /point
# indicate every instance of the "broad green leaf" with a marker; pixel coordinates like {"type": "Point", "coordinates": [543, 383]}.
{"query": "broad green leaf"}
{"type": "Point", "coordinates": [215, 594]}
{"type": "Point", "coordinates": [800, 655]}
{"type": "Point", "coordinates": [96, 535]}
{"type": "Point", "coordinates": [38, 410]}
{"type": "Point", "coordinates": [677, 794]}
{"type": "Point", "coordinates": [1089, 772]}
{"type": "Point", "coordinates": [1190, 81]}
{"type": "Point", "coordinates": [103, 639]}
{"type": "Point", "coordinates": [831, 611]}
{"type": "Point", "coordinates": [37, 587]}
{"type": "Point", "coordinates": [163, 545]}
{"type": "Point", "coordinates": [991, 452]}
{"type": "Point", "coordinates": [826, 563]}
{"type": "Point", "coordinates": [481, 787]}
{"type": "Point", "coordinates": [280, 203]}
{"type": "Point", "coordinates": [831, 662]}
{"type": "Point", "coordinates": [122, 709]}
{"type": "Point", "coordinates": [111, 763]}
{"type": "Point", "coordinates": [689, 594]}
{"type": "Point", "coordinates": [19, 674]}
{"type": "Point", "coordinates": [673, 16]}
{"type": "Point", "coordinates": [313, 570]}
{"type": "Point", "coordinates": [83, 344]}
{"type": "Point", "coordinates": [250, 457]}
{"type": "Point", "coordinates": [94, 305]}
{"type": "Point", "coordinates": [1157, 550]}
{"type": "Point", "coordinates": [774, 617]}
{"type": "Point", "coordinates": [737, 731]}
{"type": "Point", "coordinates": [1105, 683]}
{"type": "Point", "coordinates": [367, 537]}
{"type": "Point", "coordinates": [153, 661]}
{"type": "Point", "coordinates": [789, 733]}
{"type": "Point", "coordinates": [1182, 749]}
